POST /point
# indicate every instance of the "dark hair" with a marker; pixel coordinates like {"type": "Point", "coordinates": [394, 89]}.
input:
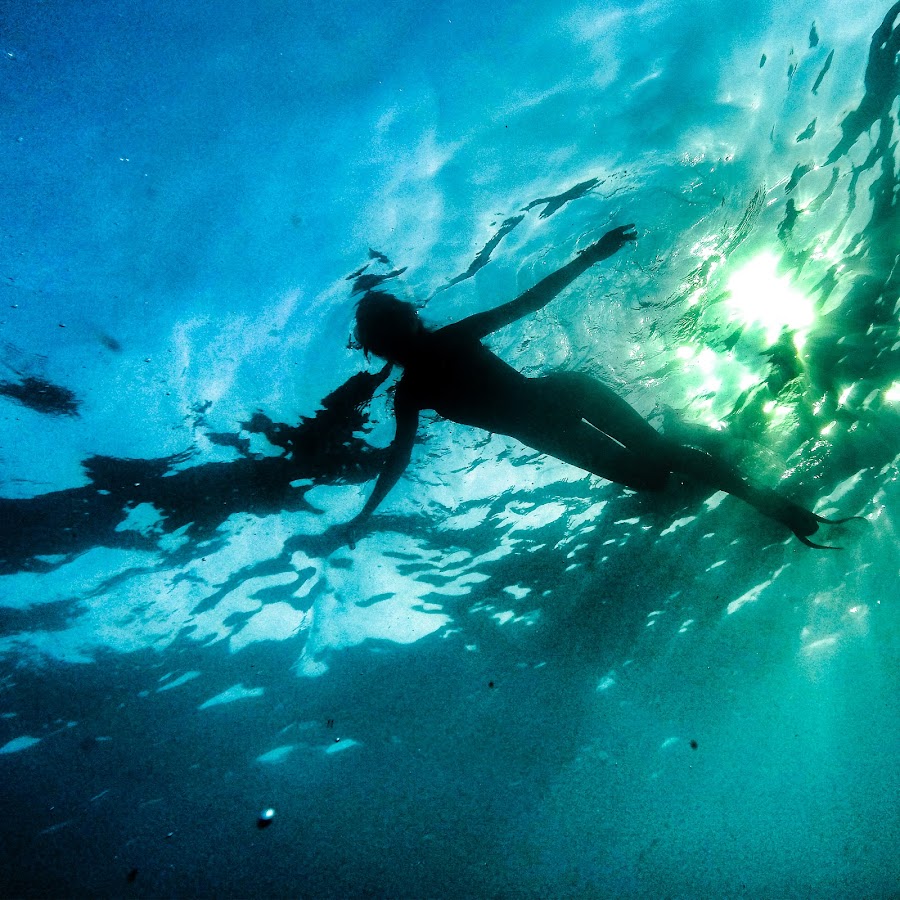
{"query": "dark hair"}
{"type": "Point", "coordinates": [380, 319]}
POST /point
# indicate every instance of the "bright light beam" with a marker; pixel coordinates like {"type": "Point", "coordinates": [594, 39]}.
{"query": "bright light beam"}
{"type": "Point", "coordinates": [763, 298]}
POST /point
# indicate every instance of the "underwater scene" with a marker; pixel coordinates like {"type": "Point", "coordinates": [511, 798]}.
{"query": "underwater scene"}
{"type": "Point", "coordinates": [580, 648]}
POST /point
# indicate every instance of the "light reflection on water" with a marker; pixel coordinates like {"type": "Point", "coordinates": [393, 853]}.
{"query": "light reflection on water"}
{"type": "Point", "coordinates": [536, 678]}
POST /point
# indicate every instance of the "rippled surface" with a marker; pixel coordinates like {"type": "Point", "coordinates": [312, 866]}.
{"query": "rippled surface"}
{"type": "Point", "coordinates": [525, 681]}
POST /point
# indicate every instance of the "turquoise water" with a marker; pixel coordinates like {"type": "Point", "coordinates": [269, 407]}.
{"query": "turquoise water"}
{"type": "Point", "coordinates": [525, 681]}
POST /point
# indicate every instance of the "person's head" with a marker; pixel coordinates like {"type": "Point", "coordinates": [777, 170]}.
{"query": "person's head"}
{"type": "Point", "coordinates": [385, 325]}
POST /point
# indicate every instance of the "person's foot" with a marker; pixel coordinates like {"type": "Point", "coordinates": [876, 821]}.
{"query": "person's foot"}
{"type": "Point", "coordinates": [801, 521]}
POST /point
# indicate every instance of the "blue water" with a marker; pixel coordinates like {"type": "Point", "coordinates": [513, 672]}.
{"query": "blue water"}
{"type": "Point", "coordinates": [524, 681]}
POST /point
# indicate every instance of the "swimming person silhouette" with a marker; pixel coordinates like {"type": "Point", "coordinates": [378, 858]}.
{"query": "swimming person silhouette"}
{"type": "Point", "coordinates": [570, 416]}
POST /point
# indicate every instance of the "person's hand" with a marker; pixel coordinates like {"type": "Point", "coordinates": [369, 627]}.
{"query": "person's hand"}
{"type": "Point", "coordinates": [610, 243]}
{"type": "Point", "coordinates": [347, 533]}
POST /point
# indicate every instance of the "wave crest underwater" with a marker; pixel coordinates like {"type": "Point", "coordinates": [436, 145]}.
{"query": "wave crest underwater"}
{"type": "Point", "coordinates": [524, 681]}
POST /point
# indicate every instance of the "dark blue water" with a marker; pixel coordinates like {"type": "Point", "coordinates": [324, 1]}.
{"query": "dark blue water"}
{"type": "Point", "coordinates": [524, 681]}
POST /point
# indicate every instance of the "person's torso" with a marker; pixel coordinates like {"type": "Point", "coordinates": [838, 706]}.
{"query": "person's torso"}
{"type": "Point", "coordinates": [459, 378]}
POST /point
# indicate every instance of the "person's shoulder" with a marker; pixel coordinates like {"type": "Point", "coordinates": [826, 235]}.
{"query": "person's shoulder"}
{"type": "Point", "coordinates": [456, 334]}
{"type": "Point", "coordinates": [407, 388]}
{"type": "Point", "coordinates": [407, 398]}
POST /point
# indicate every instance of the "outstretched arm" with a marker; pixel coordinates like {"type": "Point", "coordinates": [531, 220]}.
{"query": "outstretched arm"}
{"type": "Point", "coordinates": [546, 289]}
{"type": "Point", "coordinates": [397, 460]}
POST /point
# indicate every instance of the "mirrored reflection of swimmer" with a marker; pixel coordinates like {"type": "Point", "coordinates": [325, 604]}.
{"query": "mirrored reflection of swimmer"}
{"type": "Point", "coordinates": [567, 415]}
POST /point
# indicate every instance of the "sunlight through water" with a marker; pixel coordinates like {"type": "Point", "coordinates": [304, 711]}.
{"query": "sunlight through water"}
{"type": "Point", "coordinates": [517, 678]}
{"type": "Point", "coordinates": [759, 296]}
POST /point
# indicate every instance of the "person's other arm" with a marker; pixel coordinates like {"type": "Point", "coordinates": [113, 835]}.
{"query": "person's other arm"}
{"type": "Point", "coordinates": [407, 417]}
{"type": "Point", "coordinates": [482, 324]}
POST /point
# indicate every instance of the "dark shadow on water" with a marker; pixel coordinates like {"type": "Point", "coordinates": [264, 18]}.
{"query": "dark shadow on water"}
{"type": "Point", "coordinates": [325, 449]}
{"type": "Point", "coordinates": [41, 395]}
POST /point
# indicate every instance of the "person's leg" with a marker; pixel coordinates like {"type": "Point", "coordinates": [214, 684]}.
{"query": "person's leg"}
{"type": "Point", "coordinates": [606, 411]}
{"type": "Point", "coordinates": [572, 440]}
{"type": "Point", "coordinates": [548, 418]}
{"type": "Point", "coordinates": [653, 453]}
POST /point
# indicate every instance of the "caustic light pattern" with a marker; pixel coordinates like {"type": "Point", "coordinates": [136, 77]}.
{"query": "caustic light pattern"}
{"type": "Point", "coordinates": [523, 680]}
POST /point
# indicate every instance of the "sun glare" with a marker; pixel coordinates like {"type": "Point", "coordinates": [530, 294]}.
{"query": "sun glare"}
{"type": "Point", "coordinates": [760, 296]}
